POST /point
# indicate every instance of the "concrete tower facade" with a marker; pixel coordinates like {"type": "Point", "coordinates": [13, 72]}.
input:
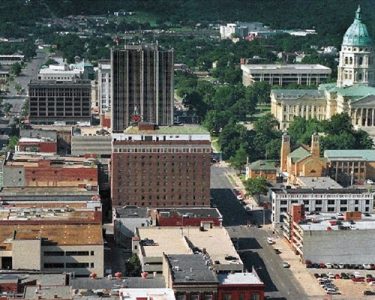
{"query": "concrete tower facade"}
{"type": "Point", "coordinates": [356, 65]}
{"type": "Point", "coordinates": [142, 86]}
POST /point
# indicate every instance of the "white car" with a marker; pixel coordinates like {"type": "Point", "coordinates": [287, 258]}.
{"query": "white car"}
{"type": "Point", "coordinates": [286, 264]}
{"type": "Point", "coordinates": [270, 241]}
{"type": "Point", "coordinates": [369, 181]}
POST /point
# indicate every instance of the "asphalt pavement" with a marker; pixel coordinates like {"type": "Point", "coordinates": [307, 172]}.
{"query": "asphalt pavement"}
{"type": "Point", "coordinates": [250, 240]}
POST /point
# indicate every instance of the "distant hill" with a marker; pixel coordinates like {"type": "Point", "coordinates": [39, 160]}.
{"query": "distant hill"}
{"type": "Point", "coordinates": [330, 17]}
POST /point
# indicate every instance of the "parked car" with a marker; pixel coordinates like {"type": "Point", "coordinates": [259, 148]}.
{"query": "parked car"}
{"type": "Point", "coordinates": [286, 264]}
{"type": "Point", "coordinates": [277, 251]}
{"type": "Point", "coordinates": [270, 241]}
{"type": "Point", "coordinates": [368, 293]}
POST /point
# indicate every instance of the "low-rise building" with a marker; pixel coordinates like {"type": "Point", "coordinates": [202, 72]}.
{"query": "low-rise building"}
{"type": "Point", "coordinates": [320, 200]}
{"type": "Point", "coordinates": [150, 293]}
{"type": "Point", "coordinates": [341, 238]}
{"type": "Point", "coordinates": [126, 220]}
{"type": "Point", "coordinates": [150, 243]}
{"type": "Point", "coordinates": [316, 183]}
{"type": "Point", "coordinates": [350, 167]}
{"type": "Point", "coordinates": [285, 74]}
{"type": "Point", "coordinates": [263, 168]}
{"type": "Point", "coordinates": [91, 141]}
{"type": "Point", "coordinates": [36, 145]}
{"type": "Point", "coordinates": [24, 169]}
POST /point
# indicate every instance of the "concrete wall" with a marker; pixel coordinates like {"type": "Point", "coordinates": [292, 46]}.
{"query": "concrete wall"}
{"type": "Point", "coordinates": [26, 254]}
{"type": "Point", "coordinates": [13, 176]}
{"type": "Point", "coordinates": [347, 247]}
{"type": "Point", "coordinates": [95, 256]}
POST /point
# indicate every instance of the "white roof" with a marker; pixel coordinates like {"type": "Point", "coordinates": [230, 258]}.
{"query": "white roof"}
{"type": "Point", "coordinates": [278, 68]}
{"type": "Point", "coordinates": [239, 278]}
{"type": "Point", "coordinates": [155, 294]}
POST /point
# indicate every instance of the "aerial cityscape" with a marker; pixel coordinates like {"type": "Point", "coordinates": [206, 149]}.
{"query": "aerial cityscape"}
{"type": "Point", "coordinates": [187, 150]}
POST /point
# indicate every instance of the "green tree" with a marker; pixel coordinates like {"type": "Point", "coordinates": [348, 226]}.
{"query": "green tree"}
{"type": "Point", "coordinates": [231, 138]}
{"type": "Point", "coordinates": [238, 160]}
{"type": "Point", "coordinates": [7, 108]}
{"type": "Point", "coordinates": [134, 266]}
{"type": "Point", "coordinates": [16, 69]}
{"type": "Point", "coordinates": [216, 120]}
{"type": "Point", "coordinates": [256, 186]}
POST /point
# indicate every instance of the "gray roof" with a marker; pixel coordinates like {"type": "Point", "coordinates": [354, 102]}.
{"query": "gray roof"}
{"type": "Point", "coordinates": [190, 269]}
{"type": "Point", "coordinates": [129, 282]}
{"type": "Point", "coordinates": [320, 191]}
{"type": "Point", "coordinates": [201, 212]}
{"type": "Point", "coordinates": [62, 292]}
{"type": "Point", "coordinates": [131, 211]}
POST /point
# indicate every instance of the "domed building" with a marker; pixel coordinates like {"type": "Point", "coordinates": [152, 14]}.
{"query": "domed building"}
{"type": "Point", "coordinates": [353, 93]}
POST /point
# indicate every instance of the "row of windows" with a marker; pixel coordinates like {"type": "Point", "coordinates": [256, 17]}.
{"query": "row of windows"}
{"type": "Point", "coordinates": [320, 202]}
{"type": "Point", "coordinates": [162, 150]}
{"type": "Point", "coordinates": [68, 253]}
{"type": "Point", "coordinates": [68, 265]}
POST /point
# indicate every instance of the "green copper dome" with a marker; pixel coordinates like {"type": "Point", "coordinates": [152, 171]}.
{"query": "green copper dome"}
{"type": "Point", "coordinates": [357, 34]}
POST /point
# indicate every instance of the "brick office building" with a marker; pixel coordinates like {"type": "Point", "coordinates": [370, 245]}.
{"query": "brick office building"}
{"type": "Point", "coordinates": [161, 167]}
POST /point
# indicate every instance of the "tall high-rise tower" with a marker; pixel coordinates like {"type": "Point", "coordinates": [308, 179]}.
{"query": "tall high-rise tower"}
{"type": "Point", "coordinates": [356, 65]}
{"type": "Point", "coordinates": [142, 86]}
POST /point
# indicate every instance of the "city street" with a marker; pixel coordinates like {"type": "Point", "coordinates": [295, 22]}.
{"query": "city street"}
{"type": "Point", "coordinates": [28, 73]}
{"type": "Point", "coordinates": [251, 241]}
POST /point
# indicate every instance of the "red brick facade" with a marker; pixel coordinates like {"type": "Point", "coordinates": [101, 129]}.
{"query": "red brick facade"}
{"type": "Point", "coordinates": [50, 147]}
{"type": "Point", "coordinates": [240, 291]}
{"type": "Point", "coordinates": [161, 174]}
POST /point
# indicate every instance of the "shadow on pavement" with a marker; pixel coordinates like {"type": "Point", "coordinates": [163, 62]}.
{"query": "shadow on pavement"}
{"type": "Point", "coordinates": [248, 243]}
{"type": "Point", "coordinates": [252, 259]}
{"type": "Point", "coordinates": [232, 210]}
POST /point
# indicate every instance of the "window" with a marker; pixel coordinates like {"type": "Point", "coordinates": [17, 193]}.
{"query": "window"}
{"type": "Point", "coordinates": [53, 265]}
{"type": "Point", "coordinates": [331, 202]}
{"type": "Point", "coordinates": [331, 209]}
{"type": "Point", "coordinates": [53, 253]}
{"type": "Point", "coordinates": [318, 202]}
{"type": "Point", "coordinates": [343, 202]}
{"type": "Point", "coordinates": [227, 297]}
{"type": "Point", "coordinates": [255, 296]}
{"type": "Point", "coordinates": [180, 296]}
{"type": "Point", "coordinates": [77, 253]}
{"type": "Point", "coordinates": [207, 296]}
{"type": "Point", "coordinates": [77, 265]}
{"type": "Point", "coordinates": [343, 208]}
{"type": "Point", "coordinates": [92, 253]}
{"type": "Point", "coordinates": [194, 296]}
{"type": "Point", "coordinates": [367, 202]}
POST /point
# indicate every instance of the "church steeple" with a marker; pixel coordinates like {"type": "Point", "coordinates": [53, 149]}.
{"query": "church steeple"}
{"type": "Point", "coordinates": [356, 65]}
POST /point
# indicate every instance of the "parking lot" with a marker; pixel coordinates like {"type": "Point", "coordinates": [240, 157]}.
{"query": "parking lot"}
{"type": "Point", "coordinates": [316, 287]}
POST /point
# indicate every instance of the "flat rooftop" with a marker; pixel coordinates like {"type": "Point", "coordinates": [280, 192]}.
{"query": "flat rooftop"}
{"type": "Point", "coordinates": [126, 282]}
{"type": "Point", "coordinates": [132, 212]}
{"type": "Point", "coordinates": [190, 212]}
{"type": "Point", "coordinates": [191, 268]}
{"type": "Point", "coordinates": [317, 182]}
{"type": "Point", "coordinates": [239, 279]}
{"type": "Point", "coordinates": [178, 129]}
{"type": "Point", "coordinates": [30, 159]}
{"type": "Point", "coordinates": [56, 214]}
{"type": "Point", "coordinates": [45, 292]}
{"type": "Point", "coordinates": [150, 293]}
{"type": "Point", "coordinates": [320, 191]}
{"type": "Point", "coordinates": [334, 224]}
{"type": "Point", "coordinates": [63, 235]}
{"type": "Point", "coordinates": [90, 131]}
{"type": "Point", "coordinates": [269, 165]}
{"type": "Point", "coordinates": [287, 69]}
{"type": "Point", "coordinates": [181, 240]}
{"type": "Point", "coordinates": [354, 155]}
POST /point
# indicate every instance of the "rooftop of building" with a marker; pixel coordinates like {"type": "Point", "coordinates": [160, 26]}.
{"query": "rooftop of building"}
{"type": "Point", "coordinates": [264, 165]}
{"type": "Point", "coordinates": [198, 212]}
{"type": "Point", "coordinates": [36, 140]}
{"type": "Point", "coordinates": [297, 93]}
{"type": "Point", "coordinates": [350, 92]}
{"type": "Point", "coordinates": [158, 240]}
{"type": "Point", "coordinates": [59, 235]}
{"type": "Point", "coordinates": [54, 214]}
{"type": "Point", "coordinates": [320, 191]}
{"type": "Point", "coordinates": [298, 154]}
{"type": "Point", "coordinates": [46, 191]}
{"type": "Point", "coordinates": [52, 83]}
{"type": "Point", "coordinates": [317, 182]}
{"type": "Point", "coordinates": [90, 131]}
{"type": "Point", "coordinates": [355, 154]}
{"type": "Point", "coordinates": [178, 129]}
{"type": "Point", "coordinates": [113, 283]}
{"type": "Point", "coordinates": [31, 159]}
{"type": "Point", "coordinates": [239, 279]}
{"type": "Point", "coordinates": [46, 292]}
{"type": "Point", "coordinates": [253, 68]}
{"type": "Point", "coordinates": [327, 221]}
{"type": "Point", "coordinates": [150, 293]}
{"type": "Point", "coordinates": [131, 211]}
{"type": "Point", "coordinates": [189, 268]}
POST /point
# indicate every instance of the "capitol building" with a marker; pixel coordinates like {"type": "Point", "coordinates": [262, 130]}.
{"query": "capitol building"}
{"type": "Point", "coordinates": [353, 93]}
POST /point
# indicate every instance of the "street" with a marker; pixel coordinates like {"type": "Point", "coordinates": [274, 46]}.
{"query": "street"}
{"type": "Point", "coordinates": [251, 242]}
{"type": "Point", "coordinates": [28, 73]}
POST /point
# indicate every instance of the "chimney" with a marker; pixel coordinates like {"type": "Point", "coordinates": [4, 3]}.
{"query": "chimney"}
{"type": "Point", "coordinates": [315, 145]}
